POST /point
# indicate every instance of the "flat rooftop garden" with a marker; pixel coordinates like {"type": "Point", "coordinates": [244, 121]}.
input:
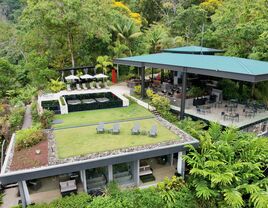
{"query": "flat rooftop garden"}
{"type": "Point", "coordinates": [84, 140]}
{"type": "Point", "coordinates": [74, 139]}
{"type": "Point", "coordinates": [133, 111]}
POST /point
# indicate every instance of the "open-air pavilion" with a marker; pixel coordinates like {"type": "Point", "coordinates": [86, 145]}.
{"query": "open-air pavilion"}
{"type": "Point", "coordinates": [239, 69]}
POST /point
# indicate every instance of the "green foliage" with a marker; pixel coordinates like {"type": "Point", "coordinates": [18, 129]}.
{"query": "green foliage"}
{"type": "Point", "coordinates": [150, 10]}
{"type": "Point", "coordinates": [150, 93]}
{"type": "Point", "coordinates": [137, 89]}
{"type": "Point", "coordinates": [7, 72]}
{"type": "Point", "coordinates": [56, 85]}
{"type": "Point", "coordinates": [28, 137]}
{"type": "Point", "coordinates": [229, 89]}
{"type": "Point", "coordinates": [16, 118]}
{"type": "Point", "coordinates": [228, 167]}
{"type": "Point", "coordinates": [34, 112]}
{"type": "Point", "coordinates": [195, 92]}
{"type": "Point", "coordinates": [46, 118]}
{"type": "Point", "coordinates": [162, 104]}
{"type": "Point", "coordinates": [104, 63]}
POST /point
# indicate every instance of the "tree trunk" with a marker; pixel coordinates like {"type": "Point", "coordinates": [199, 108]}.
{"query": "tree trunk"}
{"type": "Point", "coordinates": [70, 45]}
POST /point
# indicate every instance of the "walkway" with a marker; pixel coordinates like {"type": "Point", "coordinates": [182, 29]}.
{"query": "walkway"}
{"type": "Point", "coordinates": [27, 122]}
{"type": "Point", "coordinates": [10, 198]}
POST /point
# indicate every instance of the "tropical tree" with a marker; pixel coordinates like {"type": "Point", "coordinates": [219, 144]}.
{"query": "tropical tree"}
{"type": "Point", "coordinates": [62, 25]}
{"type": "Point", "coordinates": [228, 168]}
{"type": "Point", "coordinates": [7, 72]}
{"type": "Point", "coordinates": [126, 32]}
{"type": "Point", "coordinates": [158, 37]}
{"type": "Point", "coordinates": [104, 63]}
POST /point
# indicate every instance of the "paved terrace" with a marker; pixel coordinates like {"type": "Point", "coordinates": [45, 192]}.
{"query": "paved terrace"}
{"type": "Point", "coordinates": [215, 115]}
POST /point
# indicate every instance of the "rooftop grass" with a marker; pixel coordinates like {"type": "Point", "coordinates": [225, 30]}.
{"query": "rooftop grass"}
{"type": "Point", "coordinates": [104, 115]}
{"type": "Point", "coordinates": [85, 140]}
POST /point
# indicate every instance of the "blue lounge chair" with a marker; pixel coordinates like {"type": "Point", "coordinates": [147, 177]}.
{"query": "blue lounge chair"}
{"type": "Point", "coordinates": [115, 129]}
{"type": "Point", "coordinates": [136, 129]}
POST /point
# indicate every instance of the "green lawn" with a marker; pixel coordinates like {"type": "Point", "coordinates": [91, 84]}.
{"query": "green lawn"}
{"type": "Point", "coordinates": [85, 140]}
{"type": "Point", "coordinates": [90, 117]}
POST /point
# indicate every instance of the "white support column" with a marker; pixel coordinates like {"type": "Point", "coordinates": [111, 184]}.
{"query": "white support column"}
{"type": "Point", "coordinates": [171, 159]}
{"type": "Point", "coordinates": [136, 172]}
{"type": "Point", "coordinates": [117, 70]}
{"type": "Point", "coordinates": [181, 163]}
{"type": "Point", "coordinates": [110, 173]}
{"type": "Point", "coordinates": [84, 179]}
{"type": "Point", "coordinates": [24, 193]}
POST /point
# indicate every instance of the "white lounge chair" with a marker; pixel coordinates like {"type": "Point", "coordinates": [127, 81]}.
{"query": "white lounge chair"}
{"type": "Point", "coordinates": [84, 86]}
{"type": "Point", "coordinates": [91, 84]}
{"type": "Point", "coordinates": [98, 85]}
{"type": "Point", "coordinates": [106, 85]}
{"type": "Point", "coordinates": [69, 87]}
{"type": "Point", "coordinates": [78, 87]}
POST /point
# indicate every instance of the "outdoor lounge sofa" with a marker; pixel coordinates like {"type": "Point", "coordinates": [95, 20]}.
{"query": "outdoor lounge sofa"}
{"type": "Point", "coordinates": [136, 129]}
{"type": "Point", "coordinates": [115, 129]}
{"type": "Point", "coordinates": [100, 128]}
{"type": "Point", "coordinates": [153, 131]}
{"type": "Point", "coordinates": [68, 187]}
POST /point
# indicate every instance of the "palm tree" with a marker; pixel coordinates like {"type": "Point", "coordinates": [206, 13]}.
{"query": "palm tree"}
{"type": "Point", "coordinates": [126, 31]}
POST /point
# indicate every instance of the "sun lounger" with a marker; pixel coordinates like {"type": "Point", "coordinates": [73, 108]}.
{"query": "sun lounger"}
{"type": "Point", "coordinates": [84, 86]}
{"type": "Point", "coordinates": [153, 131]}
{"type": "Point", "coordinates": [78, 87]}
{"type": "Point", "coordinates": [136, 129]}
{"type": "Point", "coordinates": [100, 128]}
{"type": "Point", "coordinates": [91, 85]}
{"type": "Point", "coordinates": [106, 85]}
{"type": "Point", "coordinates": [69, 87]}
{"type": "Point", "coordinates": [98, 85]}
{"type": "Point", "coordinates": [73, 102]}
{"type": "Point", "coordinates": [115, 129]}
{"type": "Point", "coordinates": [88, 101]}
{"type": "Point", "coordinates": [102, 100]}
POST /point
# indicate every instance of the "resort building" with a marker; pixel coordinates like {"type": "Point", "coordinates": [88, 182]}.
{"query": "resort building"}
{"type": "Point", "coordinates": [198, 67]}
{"type": "Point", "coordinates": [102, 134]}
{"type": "Point", "coordinates": [98, 136]}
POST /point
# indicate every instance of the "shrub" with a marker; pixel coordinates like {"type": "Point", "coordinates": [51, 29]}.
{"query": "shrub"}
{"type": "Point", "coordinates": [16, 117]}
{"type": "Point", "coordinates": [34, 111]}
{"type": "Point", "coordinates": [137, 89]}
{"type": "Point", "coordinates": [160, 103]}
{"type": "Point", "coordinates": [150, 93]}
{"type": "Point", "coordinates": [195, 92]}
{"type": "Point", "coordinates": [46, 118]}
{"type": "Point", "coordinates": [28, 137]}
{"type": "Point", "coordinates": [56, 85]}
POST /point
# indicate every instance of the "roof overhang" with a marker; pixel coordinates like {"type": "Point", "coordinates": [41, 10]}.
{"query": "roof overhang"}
{"type": "Point", "coordinates": [248, 77]}
{"type": "Point", "coordinates": [35, 173]}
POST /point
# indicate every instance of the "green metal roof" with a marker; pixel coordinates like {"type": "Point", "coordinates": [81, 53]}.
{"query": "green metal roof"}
{"type": "Point", "coordinates": [218, 66]}
{"type": "Point", "coordinates": [193, 50]}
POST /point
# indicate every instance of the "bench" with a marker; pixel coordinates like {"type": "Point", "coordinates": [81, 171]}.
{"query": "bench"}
{"type": "Point", "coordinates": [145, 170]}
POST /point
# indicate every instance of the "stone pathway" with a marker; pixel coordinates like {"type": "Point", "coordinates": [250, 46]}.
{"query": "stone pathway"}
{"type": "Point", "coordinates": [27, 122]}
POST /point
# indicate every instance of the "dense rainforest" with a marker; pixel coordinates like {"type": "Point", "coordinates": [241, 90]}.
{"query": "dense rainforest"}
{"type": "Point", "coordinates": [40, 37]}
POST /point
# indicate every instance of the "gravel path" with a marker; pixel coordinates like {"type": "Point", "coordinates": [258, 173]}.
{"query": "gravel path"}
{"type": "Point", "coordinates": [27, 122]}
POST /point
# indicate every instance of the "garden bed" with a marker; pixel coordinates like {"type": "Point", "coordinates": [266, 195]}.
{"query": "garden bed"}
{"type": "Point", "coordinates": [21, 158]}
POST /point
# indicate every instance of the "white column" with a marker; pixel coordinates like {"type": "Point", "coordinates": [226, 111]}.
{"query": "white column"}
{"type": "Point", "coordinates": [171, 159]}
{"type": "Point", "coordinates": [117, 70]}
{"type": "Point", "coordinates": [84, 179]}
{"type": "Point", "coordinates": [136, 172]}
{"type": "Point", "coordinates": [110, 173]}
{"type": "Point", "coordinates": [181, 163]}
{"type": "Point", "coordinates": [24, 193]}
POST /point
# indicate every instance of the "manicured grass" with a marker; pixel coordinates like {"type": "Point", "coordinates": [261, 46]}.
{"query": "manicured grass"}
{"type": "Point", "coordinates": [104, 115]}
{"type": "Point", "coordinates": [85, 140]}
